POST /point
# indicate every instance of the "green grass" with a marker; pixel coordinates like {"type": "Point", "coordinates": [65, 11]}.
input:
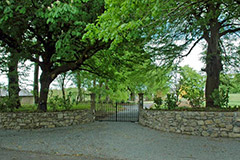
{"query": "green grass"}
{"type": "Point", "coordinates": [234, 99]}
{"type": "Point", "coordinates": [74, 92]}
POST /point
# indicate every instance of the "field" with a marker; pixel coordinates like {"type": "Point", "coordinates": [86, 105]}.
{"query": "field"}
{"type": "Point", "coordinates": [234, 99]}
{"type": "Point", "coordinates": [74, 92]}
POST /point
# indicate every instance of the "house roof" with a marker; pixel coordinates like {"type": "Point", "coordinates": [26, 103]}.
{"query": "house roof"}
{"type": "Point", "coordinates": [22, 93]}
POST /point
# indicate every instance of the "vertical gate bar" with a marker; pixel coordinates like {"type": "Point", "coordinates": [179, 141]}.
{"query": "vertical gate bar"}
{"type": "Point", "coordinates": [116, 111]}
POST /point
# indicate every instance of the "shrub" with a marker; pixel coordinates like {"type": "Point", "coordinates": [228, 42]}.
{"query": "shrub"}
{"type": "Point", "coordinates": [171, 101]}
{"type": "Point", "coordinates": [221, 97]}
{"type": "Point", "coordinates": [158, 101]}
{"type": "Point", "coordinates": [192, 86]}
{"type": "Point", "coordinates": [56, 102]}
{"type": "Point", "coordinates": [7, 104]}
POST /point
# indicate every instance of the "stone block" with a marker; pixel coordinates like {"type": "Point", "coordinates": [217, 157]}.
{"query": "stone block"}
{"type": "Point", "coordinates": [60, 115]}
{"type": "Point", "coordinates": [228, 119]}
{"type": "Point", "coordinates": [44, 124]}
{"type": "Point", "coordinates": [172, 129]}
{"type": "Point", "coordinates": [236, 129]}
{"type": "Point", "coordinates": [51, 126]}
{"type": "Point", "coordinates": [222, 125]}
{"type": "Point", "coordinates": [229, 114]}
{"type": "Point", "coordinates": [237, 119]}
{"type": "Point", "coordinates": [223, 134]}
{"type": "Point", "coordinates": [208, 122]}
{"type": "Point", "coordinates": [218, 121]}
{"type": "Point", "coordinates": [234, 135]}
{"type": "Point", "coordinates": [17, 127]}
{"type": "Point", "coordinates": [200, 122]}
{"type": "Point", "coordinates": [229, 127]}
{"type": "Point", "coordinates": [237, 124]}
{"type": "Point", "coordinates": [205, 134]}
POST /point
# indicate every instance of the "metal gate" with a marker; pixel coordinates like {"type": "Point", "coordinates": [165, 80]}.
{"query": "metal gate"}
{"type": "Point", "coordinates": [125, 112]}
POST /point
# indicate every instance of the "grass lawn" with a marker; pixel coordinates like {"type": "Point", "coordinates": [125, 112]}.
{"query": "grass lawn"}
{"type": "Point", "coordinates": [234, 99]}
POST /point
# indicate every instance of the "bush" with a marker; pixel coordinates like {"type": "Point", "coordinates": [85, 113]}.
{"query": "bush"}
{"type": "Point", "coordinates": [171, 101]}
{"type": "Point", "coordinates": [221, 97]}
{"type": "Point", "coordinates": [7, 104]}
{"type": "Point", "coordinates": [158, 101]}
{"type": "Point", "coordinates": [56, 102]}
{"type": "Point", "coordinates": [192, 86]}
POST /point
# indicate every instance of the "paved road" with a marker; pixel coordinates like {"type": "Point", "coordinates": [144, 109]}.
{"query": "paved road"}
{"type": "Point", "coordinates": [114, 140]}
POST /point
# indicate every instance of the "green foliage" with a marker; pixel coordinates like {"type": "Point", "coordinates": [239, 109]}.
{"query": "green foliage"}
{"type": "Point", "coordinates": [171, 101]}
{"type": "Point", "coordinates": [221, 97]}
{"type": "Point", "coordinates": [192, 86]}
{"type": "Point", "coordinates": [7, 104]}
{"type": "Point", "coordinates": [158, 101]}
{"type": "Point", "coordinates": [56, 103]}
{"type": "Point", "coordinates": [234, 83]}
{"type": "Point", "coordinates": [171, 29]}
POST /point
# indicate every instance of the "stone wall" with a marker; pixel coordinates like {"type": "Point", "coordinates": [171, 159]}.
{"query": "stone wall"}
{"type": "Point", "coordinates": [44, 120]}
{"type": "Point", "coordinates": [213, 124]}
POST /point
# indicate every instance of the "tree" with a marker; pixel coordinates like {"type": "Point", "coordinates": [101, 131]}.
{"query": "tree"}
{"type": "Point", "coordinates": [57, 32]}
{"type": "Point", "coordinates": [9, 30]}
{"type": "Point", "coordinates": [168, 28]}
{"type": "Point", "coordinates": [192, 86]}
{"type": "Point", "coordinates": [54, 30]}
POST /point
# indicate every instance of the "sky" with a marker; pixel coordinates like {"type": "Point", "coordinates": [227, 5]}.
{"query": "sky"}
{"type": "Point", "coordinates": [193, 59]}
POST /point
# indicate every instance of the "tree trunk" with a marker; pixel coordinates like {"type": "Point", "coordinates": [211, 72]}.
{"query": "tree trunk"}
{"type": "Point", "coordinates": [107, 88]}
{"type": "Point", "coordinates": [213, 78]}
{"type": "Point", "coordinates": [62, 87]}
{"type": "Point", "coordinates": [132, 96]}
{"type": "Point", "coordinates": [80, 94]}
{"type": "Point", "coordinates": [214, 65]}
{"type": "Point", "coordinates": [45, 81]}
{"type": "Point", "coordinates": [35, 83]}
{"type": "Point", "coordinates": [13, 86]}
{"type": "Point", "coordinates": [79, 87]}
{"type": "Point", "coordinates": [100, 95]}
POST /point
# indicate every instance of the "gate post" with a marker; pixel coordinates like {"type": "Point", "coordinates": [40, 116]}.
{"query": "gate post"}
{"type": "Point", "coordinates": [93, 104]}
{"type": "Point", "coordinates": [140, 105]}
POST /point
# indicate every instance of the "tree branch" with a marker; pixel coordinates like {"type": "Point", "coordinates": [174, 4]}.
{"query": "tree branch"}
{"type": "Point", "coordinates": [192, 48]}
{"type": "Point", "coordinates": [35, 60]}
{"type": "Point", "coordinates": [229, 31]}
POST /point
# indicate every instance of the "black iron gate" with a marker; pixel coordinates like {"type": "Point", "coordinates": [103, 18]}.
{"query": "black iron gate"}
{"type": "Point", "coordinates": [126, 112]}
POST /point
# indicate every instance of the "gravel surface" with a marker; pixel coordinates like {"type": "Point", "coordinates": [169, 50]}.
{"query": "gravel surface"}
{"type": "Point", "coordinates": [117, 140]}
{"type": "Point", "coordinates": [8, 154]}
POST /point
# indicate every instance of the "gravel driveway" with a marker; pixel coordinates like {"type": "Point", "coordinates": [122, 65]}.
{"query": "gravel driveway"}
{"type": "Point", "coordinates": [116, 140]}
